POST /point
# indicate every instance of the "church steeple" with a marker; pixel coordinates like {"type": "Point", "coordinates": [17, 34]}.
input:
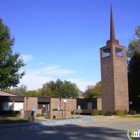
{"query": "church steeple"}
{"type": "Point", "coordinates": [112, 30]}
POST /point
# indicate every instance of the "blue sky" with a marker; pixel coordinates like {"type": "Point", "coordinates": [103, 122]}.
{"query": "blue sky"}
{"type": "Point", "coordinates": [61, 38]}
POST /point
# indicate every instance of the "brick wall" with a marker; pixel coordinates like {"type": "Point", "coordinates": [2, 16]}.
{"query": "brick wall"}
{"type": "Point", "coordinates": [69, 106]}
{"type": "Point", "coordinates": [60, 114]}
{"type": "Point", "coordinates": [112, 97]}
{"type": "Point", "coordinates": [26, 113]}
{"type": "Point", "coordinates": [29, 102]}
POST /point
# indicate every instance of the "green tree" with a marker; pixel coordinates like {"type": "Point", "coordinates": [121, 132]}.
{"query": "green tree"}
{"type": "Point", "coordinates": [32, 93]}
{"type": "Point", "coordinates": [21, 90]}
{"type": "Point", "coordinates": [93, 91]}
{"type": "Point", "coordinates": [59, 89]}
{"type": "Point", "coordinates": [134, 78]}
{"type": "Point", "coordinates": [134, 45]}
{"type": "Point", "coordinates": [9, 62]}
{"type": "Point", "coordinates": [48, 89]}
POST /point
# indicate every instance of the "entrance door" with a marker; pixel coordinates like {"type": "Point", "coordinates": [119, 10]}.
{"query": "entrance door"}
{"type": "Point", "coordinates": [89, 105]}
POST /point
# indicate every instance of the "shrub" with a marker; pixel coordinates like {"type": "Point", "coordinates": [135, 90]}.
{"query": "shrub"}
{"type": "Point", "coordinates": [132, 112]}
{"type": "Point", "coordinates": [101, 112]}
{"type": "Point", "coordinates": [72, 112]}
{"type": "Point", "coordinates": [95, 112]}
{"type": "Point", "coordinates": [10, 113]}
{"type": "Point", "coordinates": [108, 113]}
{"type": "Point", "coordinates": [119, 112]}
{"type": "Point", "coordinates": [125, 112]}
{"type": "Point", "coordinates": [55, 109]}
{"type": "Point", "coordinates": [40, 115]}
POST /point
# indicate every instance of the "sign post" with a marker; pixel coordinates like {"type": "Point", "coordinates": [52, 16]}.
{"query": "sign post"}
{"type": "Point", "coordinates": [33, 113]}
{"type": "Point", "coordinates": [58, 108]}
{"type": "Point", "coordinates": [79, 107]}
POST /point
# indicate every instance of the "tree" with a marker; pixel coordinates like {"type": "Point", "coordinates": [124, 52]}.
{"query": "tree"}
{"type": "Point", "coordinates": [32, 93]}
{"type": "Point", "coordinates": [93, 91]}
{"type": "Point", "coordinates": [21, 90]}
{"type": "Point", "coordinates": [134, 45]}
{"type": "Point", "coordinates": [133, 52]}
{"type": "Point", "coordinates": [9, 62]}
{"type": "Point", "coordinates": [134, 78]}
{"type": "Point", "coordinates": [48, 89]}
{"type": "Point", "coordinates": [59, 89]}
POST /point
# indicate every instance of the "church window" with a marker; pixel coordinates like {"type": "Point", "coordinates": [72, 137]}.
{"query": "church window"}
{"type": "Point", "coordinates": [119, 52]}
{"type": "Point", "coordinates": [106, 69]}
{"type": "Point", "coordinates": [106, 52]}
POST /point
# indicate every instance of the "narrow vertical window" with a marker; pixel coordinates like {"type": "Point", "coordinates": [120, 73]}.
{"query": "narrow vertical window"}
{"type": "Point", "coordinates": [106, 69]}
{"type": "Point", "coordinates": [121, 87]}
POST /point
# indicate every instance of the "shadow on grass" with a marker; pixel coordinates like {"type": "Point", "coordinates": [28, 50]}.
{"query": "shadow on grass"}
{"type": "Point", "coordinates": [11, 120]}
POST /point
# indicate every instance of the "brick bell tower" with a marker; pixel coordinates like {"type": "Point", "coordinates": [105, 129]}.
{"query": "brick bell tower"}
{"type": "Point", "coordinates": [114, 73]}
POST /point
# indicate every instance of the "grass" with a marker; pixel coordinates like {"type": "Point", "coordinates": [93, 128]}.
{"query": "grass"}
{"type": "Point", "coordinates": [10, 120]}
{"type": "Point", "coordinates": [67, 118]}
{"type": "Point", "coordinates": [137, 116]}
{"type": "Point", "coordinates": [133, 116]}
{"type": "Point", "coordinates": [16, 119]}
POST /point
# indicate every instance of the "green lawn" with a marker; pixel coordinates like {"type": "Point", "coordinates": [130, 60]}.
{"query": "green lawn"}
{"type": "Point", "coordinates": [133, 116]}
{"type": "Point", "coordinates": [9, 120]}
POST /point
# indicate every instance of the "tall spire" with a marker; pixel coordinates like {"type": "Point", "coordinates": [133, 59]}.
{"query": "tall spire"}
{"type": "Point", "coordinates": [112, 30]}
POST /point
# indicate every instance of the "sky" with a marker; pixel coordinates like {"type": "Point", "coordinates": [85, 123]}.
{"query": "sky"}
{"type": "Point", "coordinates": [61, 39]}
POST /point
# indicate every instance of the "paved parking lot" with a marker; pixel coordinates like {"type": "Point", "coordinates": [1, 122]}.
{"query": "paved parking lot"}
{"type": "Point", "coordinates": [100, 128]}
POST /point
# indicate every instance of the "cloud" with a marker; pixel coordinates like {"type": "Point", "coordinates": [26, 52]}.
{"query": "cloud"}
{"type": "Point", "coordinates": [82, 83]}
{"type": "Point", "coordinates": [33, 82]}
{"type": "Point", "coordinates": [52, 70]}
{"type": "Point", "coordinates": [27, 57]}
{"type": "Point", "coordinates": [35, 78]}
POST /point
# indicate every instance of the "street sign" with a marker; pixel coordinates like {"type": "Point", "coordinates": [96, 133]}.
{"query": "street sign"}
{"type": "Point", "coordinates": [33, 108]}
{"type": "Point", "coordinates": [79, 107]}
{"type": "Point", "coordinates": [130, 102]}
{"type": "Point", "coordinates": [58, 108]}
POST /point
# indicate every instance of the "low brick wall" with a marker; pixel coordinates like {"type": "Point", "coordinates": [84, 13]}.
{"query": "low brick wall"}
{"type": "Point", "coordinates": [60, 114]}
{"type": "Point", "coordinates": [84, 111]}
{"type": "Point", "coordinates": [27, 113]}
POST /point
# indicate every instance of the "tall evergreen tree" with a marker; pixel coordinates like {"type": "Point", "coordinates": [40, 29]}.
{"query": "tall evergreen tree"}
{"type": "Point", "coordinates": [134, 78]}
{"type": "Point", "coordinates": [9, 63]}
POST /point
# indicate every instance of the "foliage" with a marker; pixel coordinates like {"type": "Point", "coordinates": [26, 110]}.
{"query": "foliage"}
{"type": "Point", "coordinates": [132, 112]}
{"type": "Point", "coordinates": [95, 112]}
{"type": "Point", "coordinates": [9, 62]}
{"type": "Point", "coordinates": [59, 89]}
{"type": "Point", "coordinates": [108, 113]}
{"type": "Point", "coordinates": [21, 90]}
{"type": "Point", "coordinates": [55, 109]}
{"type": "Point", "coordinates": [125, 112]}
{"type": "Point", "coordinates": [119, 113]}
{"type": "Point", "coordinates": [40, 115]}
{"type": "Point", "coordinates": [32, 93]}
{"type": "Point", "coordinates": [93, 91]}
{"type": "Point", "coordinates": [72, 112]}
{"type": "Point", "coordinates": [134, 78]}
{"type": "Point", "coordinates": [134, 45]}
{"type": "Point", "coordinates": [101, 112]}
{"type": "Point", "coordinates": [9, 113]}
